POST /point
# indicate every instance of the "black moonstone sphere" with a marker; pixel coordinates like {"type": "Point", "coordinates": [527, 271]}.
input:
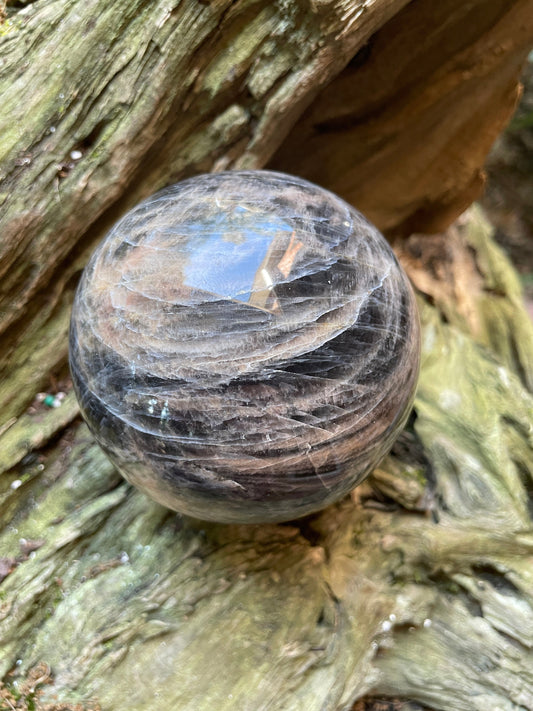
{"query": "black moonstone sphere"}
{"type": "Point", "coordinates": [244, 347]}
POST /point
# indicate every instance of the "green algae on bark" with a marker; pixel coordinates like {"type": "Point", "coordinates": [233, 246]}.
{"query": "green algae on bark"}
{"type": "Point", "coordinates": [127, 602]}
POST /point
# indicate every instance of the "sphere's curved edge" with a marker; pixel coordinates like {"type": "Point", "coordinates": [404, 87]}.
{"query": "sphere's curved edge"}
{"type": "Point", "coordinates": [245, 355]}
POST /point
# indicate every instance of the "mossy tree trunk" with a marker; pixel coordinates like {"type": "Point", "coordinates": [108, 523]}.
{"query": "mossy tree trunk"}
{"type": "Point", "coordinates": [420, 585]}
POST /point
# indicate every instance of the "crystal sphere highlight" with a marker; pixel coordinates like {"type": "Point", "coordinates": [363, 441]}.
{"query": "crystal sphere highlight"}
{"type": "Point", "coordinates": [244, 347]}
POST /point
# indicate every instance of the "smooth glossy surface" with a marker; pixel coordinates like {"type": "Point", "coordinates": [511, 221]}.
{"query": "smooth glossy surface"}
{"type": "Point", "coordinates": [245, 347]}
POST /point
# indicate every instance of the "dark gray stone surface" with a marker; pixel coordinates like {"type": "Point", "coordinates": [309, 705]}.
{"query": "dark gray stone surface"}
{"type": "Point", "coordinates": [245, 347]}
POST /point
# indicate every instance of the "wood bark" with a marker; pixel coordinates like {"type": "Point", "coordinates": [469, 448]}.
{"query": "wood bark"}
{"type": "Point", "coordinates": [418, 586]}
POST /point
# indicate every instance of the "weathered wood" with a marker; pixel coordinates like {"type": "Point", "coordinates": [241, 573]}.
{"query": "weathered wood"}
{"type": "Point", "coordinates": [128, 603]}
{"type": "Point", "coordinates": [151, 92]}
{"type": "Point", "coordinates": [403, 134]}
{"type": "Point", "coordinates": [420, 584]}
{"type": "Point", "coordinates": [147, 92]}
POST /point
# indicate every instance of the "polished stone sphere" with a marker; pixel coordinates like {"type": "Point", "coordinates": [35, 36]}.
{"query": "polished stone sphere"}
{"type": "Point", "coordinates": [244, 347]}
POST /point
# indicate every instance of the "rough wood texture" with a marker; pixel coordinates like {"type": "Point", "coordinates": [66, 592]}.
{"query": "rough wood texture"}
{"type": "Point", "coordinates": [418, 585]}
{"type": "Point", "coordinates": [147, 92]}
{"type": "Point", "coordinates": [403, 134]}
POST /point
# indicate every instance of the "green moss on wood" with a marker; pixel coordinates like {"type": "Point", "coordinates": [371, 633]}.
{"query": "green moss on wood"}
{"type": "Point", "coordinates": [128, 602]}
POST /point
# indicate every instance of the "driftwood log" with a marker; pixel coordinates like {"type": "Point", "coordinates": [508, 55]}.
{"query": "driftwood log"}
{"type": "Point", "coordinates": [419, 587]}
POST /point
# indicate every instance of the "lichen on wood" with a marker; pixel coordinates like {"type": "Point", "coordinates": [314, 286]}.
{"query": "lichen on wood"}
{"type": "Point", "coordinates": [148, 93]}
{"type": "Point", "coordinates": [419, 585]}
{"type": "Point", "coordinates": [127, 602]}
